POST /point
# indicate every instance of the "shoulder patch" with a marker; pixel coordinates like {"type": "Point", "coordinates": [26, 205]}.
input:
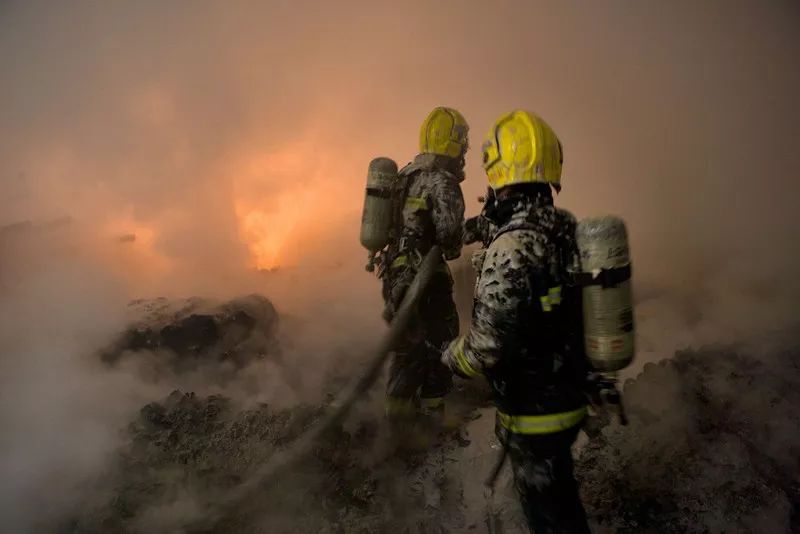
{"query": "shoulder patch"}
{"type": "Point", "coordinates": [408, 170]}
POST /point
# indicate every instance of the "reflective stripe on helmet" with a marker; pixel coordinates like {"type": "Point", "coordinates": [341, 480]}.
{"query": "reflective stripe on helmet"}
{"type": "Point", "coordinates": [522, 148]}
{"type": "Point", "coordinates": [444, 132]}
{"type": "Point", "coordinates": [541, 424]}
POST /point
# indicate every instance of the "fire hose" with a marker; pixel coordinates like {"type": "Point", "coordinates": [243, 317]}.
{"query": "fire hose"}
{"type": "Point", "coordinates": [285, 459]}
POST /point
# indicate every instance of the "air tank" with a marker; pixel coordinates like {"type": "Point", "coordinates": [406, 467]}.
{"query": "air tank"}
{"type": "Point", "coordinates": [607, 297]}
{"type": "Point", "coordinates": [376, 218]}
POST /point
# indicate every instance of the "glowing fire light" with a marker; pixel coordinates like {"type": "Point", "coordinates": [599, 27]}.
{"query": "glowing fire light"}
{"type": "Point", "coordinates": [276, 199]}
{"type": "Point", "coordinates": [266, 233]}
{"type": "Point", "coordinates": [136, 249]}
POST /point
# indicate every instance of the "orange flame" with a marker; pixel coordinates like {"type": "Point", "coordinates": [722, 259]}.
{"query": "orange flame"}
{"type": "Point", "coordinates": [136, 253]}
{"type": "Point", "coordinates": [267, 232]}
{"type": "Point", "coordinates": [275, 198]}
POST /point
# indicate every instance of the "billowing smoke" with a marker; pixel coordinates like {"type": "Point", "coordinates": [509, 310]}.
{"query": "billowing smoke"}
{"type": "Point", "coordinates": [154, 149]}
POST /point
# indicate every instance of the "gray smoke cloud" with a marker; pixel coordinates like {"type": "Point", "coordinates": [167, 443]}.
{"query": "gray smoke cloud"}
{"type": "Point", "coordinates": [186, 142]}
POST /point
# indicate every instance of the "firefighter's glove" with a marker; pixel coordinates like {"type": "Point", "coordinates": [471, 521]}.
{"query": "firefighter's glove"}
{"type": "Point", "coordinates": [456, 360]}
{"type": "Point", "coordinates": [472, 230]}
{"type": "Point", "coordinates": [477, 259]}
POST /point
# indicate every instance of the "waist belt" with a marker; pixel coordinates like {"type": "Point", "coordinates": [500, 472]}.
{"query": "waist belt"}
{"type": "Point", "coordinates": [402, 261]}
{"type": "Point", "coordinates": [541, 424]}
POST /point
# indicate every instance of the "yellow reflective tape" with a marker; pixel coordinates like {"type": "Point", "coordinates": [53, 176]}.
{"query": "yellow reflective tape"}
{"type": "Point", "coordinates": [553, 298]}
{"type": "Point", "coordinates": [554, 295]}
{"type": "Point", "coordinates": [416, 203]}
{"type": "Point", "coordinates": [431, 403]}
{"type": "Point", "coordinates": [400, 406]}
{"type": "Point", "coordinates": [461, 359]}
{"type": "Point", "coordinates": [399, 261]}
{"type": "Point", "coordinates": [541, 424]}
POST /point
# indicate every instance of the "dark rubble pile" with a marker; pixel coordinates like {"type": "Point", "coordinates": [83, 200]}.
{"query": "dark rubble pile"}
{"type": "Point", "coordinates": [193, 332]}
{"type": "Point", "coordinates": [184, 453]}
{"type": "Point", "coordinates": [187, 451]}
{"type": "Point", "coordinates": [713, 446]}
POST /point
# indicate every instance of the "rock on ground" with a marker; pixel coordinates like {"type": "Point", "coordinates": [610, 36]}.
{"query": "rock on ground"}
{"type": "Point", "coordinates": [194, 332]}
{"type": "Point", "coordinates": [712, 446]}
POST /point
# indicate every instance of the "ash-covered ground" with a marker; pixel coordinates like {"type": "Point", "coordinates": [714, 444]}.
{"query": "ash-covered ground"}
{"type": "Point", "coordinates": [712, 446]}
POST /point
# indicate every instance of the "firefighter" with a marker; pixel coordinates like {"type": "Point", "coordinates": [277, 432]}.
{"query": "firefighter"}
{"type": "Point", "coordinates": [525, 335]}
{"type": "Point", "coordinates": [431, 213]}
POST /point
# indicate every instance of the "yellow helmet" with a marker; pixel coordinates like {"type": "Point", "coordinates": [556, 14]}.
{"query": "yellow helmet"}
{"type": "Point", "coordinates": [522, 148]}
{"type": "Point", "coordinates": [444, 133]}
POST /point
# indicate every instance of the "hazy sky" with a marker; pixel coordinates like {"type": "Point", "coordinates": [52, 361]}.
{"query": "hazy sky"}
{"type": "Point", "coordinates": [233, 135]}
{"type": "Point", "coordinates": [217, 123]}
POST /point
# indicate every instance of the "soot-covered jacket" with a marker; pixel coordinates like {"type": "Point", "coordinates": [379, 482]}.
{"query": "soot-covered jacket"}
{"type": "Point", "coordinates": [525, 334]}
{"type": "Point", "coordinates": [432, 214]}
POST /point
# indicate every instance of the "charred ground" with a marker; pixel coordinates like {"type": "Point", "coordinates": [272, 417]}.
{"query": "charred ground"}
{"type": "Point", "coordinates": [711, 447]}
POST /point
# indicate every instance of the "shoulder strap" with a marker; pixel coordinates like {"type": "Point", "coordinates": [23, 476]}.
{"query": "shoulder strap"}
{"type": "Point", "coordinates": [605, 278]}
{"type": "Point", "coordinates": [408, 170]}
{"type": "Point", "coordinates": [404, 178]}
